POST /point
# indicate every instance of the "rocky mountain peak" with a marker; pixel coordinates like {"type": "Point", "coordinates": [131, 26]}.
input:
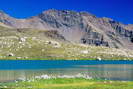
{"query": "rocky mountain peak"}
{"type": "Point", "coordinates": [129, 26]}
{"type": "Point", "coordinates": [54, 11]}
{"type": "Point", "coordinates": [84, 13]}
{"type": "Point", "coordinates": [59, 18]}
{"type": "Point", "coordinates": [66, 13]}
{"type": "Point", "coordinates": [81, 27]}
{"type": "Point", "coordinates": [4, 18]}
{"type": "Point", "coordinates": [3, 15]}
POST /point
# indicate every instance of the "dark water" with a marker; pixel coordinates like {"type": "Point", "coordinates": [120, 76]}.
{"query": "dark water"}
{"type": "Point", "coordinates": [111, 70]}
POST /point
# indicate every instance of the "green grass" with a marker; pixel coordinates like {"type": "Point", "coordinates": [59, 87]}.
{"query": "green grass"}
{"type": "Point", "coordinates": [77, 83]}
{"type": "Point", "coordinates": [35, 47]}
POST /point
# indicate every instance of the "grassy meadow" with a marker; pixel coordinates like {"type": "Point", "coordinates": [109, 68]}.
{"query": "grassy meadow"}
{"type": "Point", "coordinates": [68, 83]}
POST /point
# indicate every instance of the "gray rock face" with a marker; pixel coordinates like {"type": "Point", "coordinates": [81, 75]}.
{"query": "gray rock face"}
{"type": "Point", "coordinates": [61, 18]}
{"type": "Point", "coordinates": [80, 27]}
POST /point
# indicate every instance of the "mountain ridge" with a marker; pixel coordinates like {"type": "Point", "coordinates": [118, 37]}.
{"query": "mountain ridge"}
{"type": "Point", "coordinates": [78, 27]}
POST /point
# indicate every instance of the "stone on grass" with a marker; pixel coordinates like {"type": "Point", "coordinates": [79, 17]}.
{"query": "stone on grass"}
{"type": "Point", "coordinates": [48, 42]}
{"type": "Point", "coordinates": [5, 87]}
{"type": "Point", "coordinates": [25, 57]}
{"type": "Point", "coordinates": [57, 46]}
{"type": "Point", "coordinates": [22, 39]}
{"type": "Point", "coordinates": [54, 43]}
{"type": "Point", "coordinates": [43, 50]}
{"type": "Point", "coordinates": [18, 58]}
{"type": "Point", "coordinates": [10, 54]}
{"type": "Point", "coordinates": [85, 51]}
{"type": "Point", "coordinates": [99, 59]}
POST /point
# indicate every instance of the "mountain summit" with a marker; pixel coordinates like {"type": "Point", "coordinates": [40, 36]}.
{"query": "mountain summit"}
{"type": "Point", "coordinates": [77, 27]}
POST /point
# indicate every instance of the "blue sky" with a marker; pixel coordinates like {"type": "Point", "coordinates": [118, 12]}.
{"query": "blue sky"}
{"type": "Point", "coordinates": [120, 10]}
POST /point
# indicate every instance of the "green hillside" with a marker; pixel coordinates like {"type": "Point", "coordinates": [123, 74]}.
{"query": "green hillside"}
{"type": "Point", "coordinates": [43, 44]}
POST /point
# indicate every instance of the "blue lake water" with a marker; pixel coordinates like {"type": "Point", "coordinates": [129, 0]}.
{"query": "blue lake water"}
{"type": "Point", "coordinates": [110, 70]}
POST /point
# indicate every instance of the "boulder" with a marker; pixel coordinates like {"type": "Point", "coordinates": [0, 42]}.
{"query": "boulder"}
{"type": "Point", "coordinates": [22, 39]}
{"type": "Point", "coordinates": [99, 59]}
{"type": "Point", "coordinates": [10, 54]}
